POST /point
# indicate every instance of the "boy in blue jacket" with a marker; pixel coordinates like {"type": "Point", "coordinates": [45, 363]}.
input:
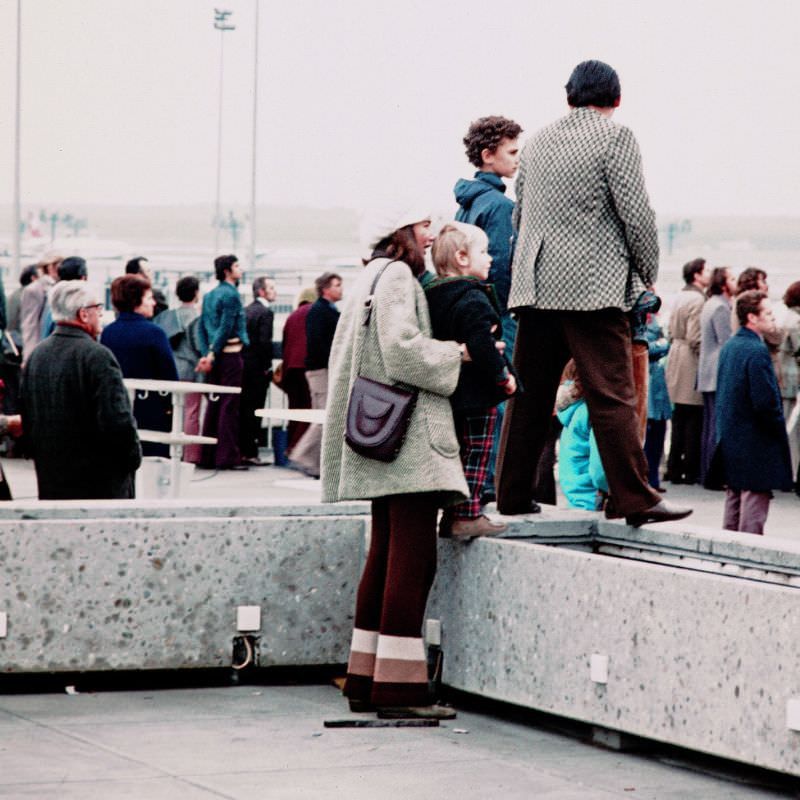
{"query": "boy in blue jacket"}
{"type": "Point", "coordinates": [492, 146]}
{"type": "Point", "coordinates": [463, 309]}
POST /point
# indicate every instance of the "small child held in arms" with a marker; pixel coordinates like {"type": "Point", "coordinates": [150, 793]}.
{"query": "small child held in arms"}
{"type": "Point", "coordinates": [465, 309]}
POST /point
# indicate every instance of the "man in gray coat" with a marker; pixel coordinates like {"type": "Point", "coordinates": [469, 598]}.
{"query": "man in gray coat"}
{"type": "Point", "coordinates": [715, 330]}
{"type": "Point", "coordinates": [587, 248]}
{"type": "Point", "coordinates": [76, 414]}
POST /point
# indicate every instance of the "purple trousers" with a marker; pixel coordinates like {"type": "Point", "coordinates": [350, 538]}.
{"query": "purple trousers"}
{"type": "Point", "coordinates": [746, 511]}
{"type": "Point", "coordinates": [222, 414]}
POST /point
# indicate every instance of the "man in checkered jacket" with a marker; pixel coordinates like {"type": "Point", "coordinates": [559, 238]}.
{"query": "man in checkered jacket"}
{"type": "Point", "coordinates": [587, 247]}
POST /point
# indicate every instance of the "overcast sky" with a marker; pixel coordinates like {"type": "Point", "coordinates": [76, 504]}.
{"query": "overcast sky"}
{"type": "Point", "coordinates": [359, 99]}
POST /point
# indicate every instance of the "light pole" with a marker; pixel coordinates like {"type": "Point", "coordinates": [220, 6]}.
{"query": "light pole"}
{"type": "Point", "coordinates": [221, 24]}
{"type": "Point", "coordinates": [17, 153]}
{"type": "Point", "coordinates": [255, 135]}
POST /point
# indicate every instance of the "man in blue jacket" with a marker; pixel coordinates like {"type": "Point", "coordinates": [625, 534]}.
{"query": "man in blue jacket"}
{"type": "Point", "coordinates": [222, 335]}
{"type": "Point", "coordinates": [492, 146]}
{"type": "Point", "coordinates": [752, 446]}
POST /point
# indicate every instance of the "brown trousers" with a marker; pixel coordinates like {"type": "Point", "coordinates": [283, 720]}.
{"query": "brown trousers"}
{"type": "Point", "coordinates": [387, 663]}
{"type": "Point", "coordinates": [600, 343]}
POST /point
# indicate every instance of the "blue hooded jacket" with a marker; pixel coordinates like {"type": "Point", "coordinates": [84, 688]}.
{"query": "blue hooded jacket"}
{"type": "Point", "coordinates": [482, 202]}
{"type": "Point", "coordinates": [580, 470]}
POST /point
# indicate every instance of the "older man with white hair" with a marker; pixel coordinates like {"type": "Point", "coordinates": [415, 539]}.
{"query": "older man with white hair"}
{"type": "Point", "coordinates": [75, 411]}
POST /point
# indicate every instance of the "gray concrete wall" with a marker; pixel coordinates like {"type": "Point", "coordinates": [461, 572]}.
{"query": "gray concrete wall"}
{"type": "Point", "coordinates": [160, 592]}
{"type": "Point", "coordinates": [700, 657]}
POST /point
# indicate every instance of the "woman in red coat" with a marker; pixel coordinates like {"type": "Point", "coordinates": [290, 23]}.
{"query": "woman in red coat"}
{"type": "Point", "coordinates": [293, 381]}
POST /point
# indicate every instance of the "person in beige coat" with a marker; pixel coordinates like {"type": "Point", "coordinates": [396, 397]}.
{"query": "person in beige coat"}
{"type": "Point", "coordinates": [387, 668]}
{"type": "Point", "coordinates": [683, 465]}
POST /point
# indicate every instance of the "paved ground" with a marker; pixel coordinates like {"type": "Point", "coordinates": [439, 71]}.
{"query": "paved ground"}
{"type": "Point", "coordinates": [269, 742]}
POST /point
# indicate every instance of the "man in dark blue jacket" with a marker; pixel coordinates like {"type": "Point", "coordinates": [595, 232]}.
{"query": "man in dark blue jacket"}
{"type": "Point", "coordinates": [752, 446]}
{"type": "Point", "coordinates": [492, 146]}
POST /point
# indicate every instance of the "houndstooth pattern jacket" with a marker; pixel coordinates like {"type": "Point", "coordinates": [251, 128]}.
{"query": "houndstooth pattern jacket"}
{"type": "Point", "coordinates": [587, 237]}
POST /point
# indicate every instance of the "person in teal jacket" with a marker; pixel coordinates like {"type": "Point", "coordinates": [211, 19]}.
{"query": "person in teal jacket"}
{"type": "Point", "coordinates": [580, 470]}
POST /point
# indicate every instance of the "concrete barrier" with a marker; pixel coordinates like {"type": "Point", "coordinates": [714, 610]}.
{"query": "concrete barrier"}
{"type": "Point", "coordinates": [687, 637]}
{"type": "Point", "coordinates": [137, 588]}
{"type": "Point", "coordinates": [677, 634]}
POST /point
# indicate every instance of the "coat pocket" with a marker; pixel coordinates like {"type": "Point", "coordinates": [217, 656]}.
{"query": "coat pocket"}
{"type": "Point", "coordinates": [439, 421]}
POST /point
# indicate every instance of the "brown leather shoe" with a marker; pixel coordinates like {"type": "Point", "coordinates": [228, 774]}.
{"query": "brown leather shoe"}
{"type": "Point", "coordinates": [472, 528]}
{"type": "Point", "coordinates": [660, 512]}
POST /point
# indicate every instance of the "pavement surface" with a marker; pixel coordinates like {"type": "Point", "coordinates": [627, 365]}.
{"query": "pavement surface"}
{"type": "Point", "coordinates": [258, 742]}
{"type": "Point", "coordinates": [270, 742]}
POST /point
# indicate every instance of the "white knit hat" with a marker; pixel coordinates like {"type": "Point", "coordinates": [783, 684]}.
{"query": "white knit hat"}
{"type": "Point", "coordinates": [379, 222]}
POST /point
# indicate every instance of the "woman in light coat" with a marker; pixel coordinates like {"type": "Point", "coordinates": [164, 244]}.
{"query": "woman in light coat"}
{"type": "Point", "coordinates": [387, 669]}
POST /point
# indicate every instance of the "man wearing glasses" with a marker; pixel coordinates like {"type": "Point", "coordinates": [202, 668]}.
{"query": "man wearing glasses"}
{"type": "Point", "coordinates": [76, 414]}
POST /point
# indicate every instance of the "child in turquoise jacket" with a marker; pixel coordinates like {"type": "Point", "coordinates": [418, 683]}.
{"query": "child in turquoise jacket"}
{"type": "Point", "coordinates": [580, 471]}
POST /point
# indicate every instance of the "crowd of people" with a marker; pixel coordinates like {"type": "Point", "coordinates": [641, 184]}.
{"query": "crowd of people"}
{"type": "Point", "coordinates": [539, 322]}
{"type": "Point", "coordinates": [59, 391]}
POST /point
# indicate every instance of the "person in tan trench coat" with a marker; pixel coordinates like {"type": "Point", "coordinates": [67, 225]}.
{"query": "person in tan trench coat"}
{"type": "Point", "coordinates": [683, 465]}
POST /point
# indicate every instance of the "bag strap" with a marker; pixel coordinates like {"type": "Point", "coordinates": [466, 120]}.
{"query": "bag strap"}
{"type": "Point", "coordinates": [368, 310]}
{"type": "Point", "coordinates": [369, 298]}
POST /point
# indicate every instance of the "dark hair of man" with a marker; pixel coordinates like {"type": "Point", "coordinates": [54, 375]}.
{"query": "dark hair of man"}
{"type": "Point", "coordinates": [693, 268]}
{"type": "Point", "coordinates": [223, 265]}
{"type": "Point", "coordinates": [28, 274]}
{"type": "Point", "coordinates": [127, 292]}
{"type": "Point", "coordinates": [72, 269]}
{"type": "Point", "coordinates": [187, 288]}
{"type": "Point", "coordinates": [486, 133]}
{"type": "Point", "coordinates": [593, 83]}
{"type": "Point", "coordinates": [324, 281]}
{"type": "Point", "coordinates": [402, 246]}
{"type": "Point", "coordinates": [748, 303]}
{"type": "Point", "coordinates": [791, 297]}
{"type": "Point", "coordinates": [719, 279]}
{"type": "Point", "coordinates": [134, 266]}
{"type": "Point", "coordinates": [259, 284]}
{"type": "Point", "coordinates": [749, 279]}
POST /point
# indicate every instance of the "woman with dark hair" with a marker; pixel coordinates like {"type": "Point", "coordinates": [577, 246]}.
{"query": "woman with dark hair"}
{"type": "Point", "coordinates": [143, 351]}
{"type": "Point", "coordinates": [715, 330]}
{"type": "Point", "coordinates": [387, 667]}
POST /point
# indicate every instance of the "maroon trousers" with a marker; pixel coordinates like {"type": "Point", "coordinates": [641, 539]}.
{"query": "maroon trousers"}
{"type": "Point", "coordinates": [600, 343]}
{"type": "Point", "coordinates": [387, 663]}
{"type": "Point", "coordinates": [222, 414]}
{"type": "Point", "coordinates": [295, 385]}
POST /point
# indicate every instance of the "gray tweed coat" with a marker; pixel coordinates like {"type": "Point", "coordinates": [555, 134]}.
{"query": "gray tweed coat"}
{"type": "Point", "coordinates": [587, 235]}
{"type": "Point", "coordinates": [396, 347]}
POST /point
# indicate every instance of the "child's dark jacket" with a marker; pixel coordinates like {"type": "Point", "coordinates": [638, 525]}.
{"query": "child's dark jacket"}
{"type": "Point", "coordinates": [463, 309]}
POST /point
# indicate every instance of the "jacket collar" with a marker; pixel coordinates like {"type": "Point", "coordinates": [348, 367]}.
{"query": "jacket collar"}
{"type": "Point", "coordinates": [747, 332]}
{"type": "Point", "coordinates": [71, 332]}
{"type": "Point", "coordinates": [493, 180]}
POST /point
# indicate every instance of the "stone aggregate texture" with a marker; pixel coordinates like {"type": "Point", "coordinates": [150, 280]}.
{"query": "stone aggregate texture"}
{"type": "Point", "coordinates": [695, 659]}
{"type": "Point", "coordinates": [269, 742]}
{"type": "Point", "coordinates": [162, 593]}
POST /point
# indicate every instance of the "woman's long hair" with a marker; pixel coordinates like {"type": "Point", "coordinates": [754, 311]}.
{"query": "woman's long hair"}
{"type": "Point", "coordinates": [401, 245]}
